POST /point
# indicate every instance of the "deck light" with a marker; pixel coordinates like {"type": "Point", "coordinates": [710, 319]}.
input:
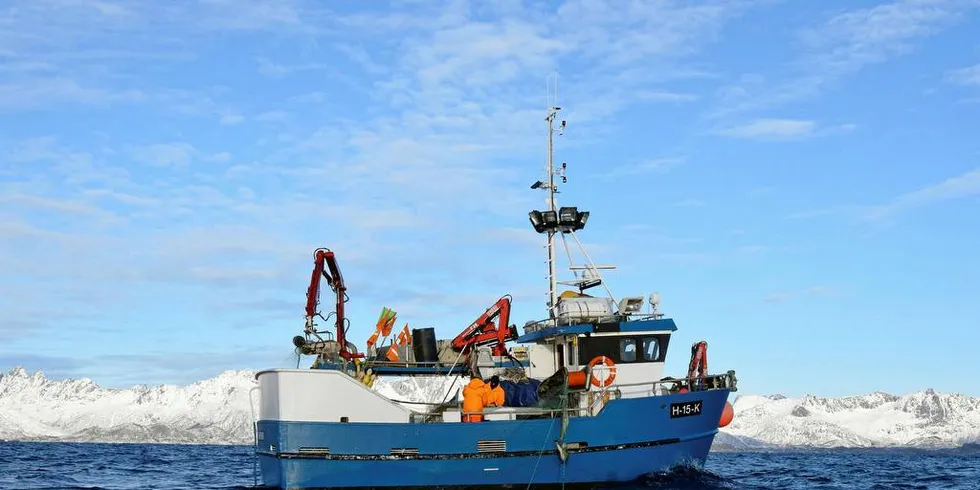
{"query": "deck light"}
{"type": "Point", "coordinates": [565, 219]}
{"type": "Point", "coordinates": [550, 219]}
{"type": "Point", "coordinates": [543, 220]}
{"type": "Point", "coordinates": [571, 219]}
{"type": "Point", "coordinates": [536, 221]}
{"type": "Point", "coordinates": [567, 216]}
{"type": "Point", "coordinates": [580, 220]}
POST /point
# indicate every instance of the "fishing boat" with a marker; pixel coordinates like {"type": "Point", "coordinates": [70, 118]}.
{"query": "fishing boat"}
{"type": "Point", "coordinates": [585, 399]}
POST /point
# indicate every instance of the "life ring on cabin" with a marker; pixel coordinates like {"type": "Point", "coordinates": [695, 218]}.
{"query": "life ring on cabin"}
{"type": "Point", "coordinates": [612, 371]}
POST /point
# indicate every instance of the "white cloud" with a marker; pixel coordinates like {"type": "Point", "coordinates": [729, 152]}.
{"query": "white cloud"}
{"type": "Point", "coordinates": [772, 129]}
{"type": "Point", "coordinates": [659, 96]}
{"type": "Point", "coordinates": [394, 178]}
{"type": "Point", "coordinates": [958, 187]}
{"type": "Point", "coordinates": [272, 116]}
{"type": "Point", "coordinates": [655, 166]}
{"type": "Point", "coordinates": [67, 206]}
{"type": "Point", "coordinates": [176, 154]}
{"type": "Point", "coordinates": [783, 129]}
{"type": "Point", "coordinates": [689, 203]}
{"type": "Point", "coordinates": [276, 70]}
{"type": "Point", "coordinates": [232, 119]}
{"type": "Point", "coordinates": [25, 94]}
{"type": "Point", "coordinates": [846, 43]}
{"type": "Point", "coordinates": [969, 75]}
{"type": "Point", "coordinates": [220, 157]}
{"type": "Point", "coordinates": [788, 295]}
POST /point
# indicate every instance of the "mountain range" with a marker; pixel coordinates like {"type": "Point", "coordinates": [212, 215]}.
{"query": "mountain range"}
{"type": "Point", "coordinates": [925, 419]}
{"type": "Point", "coordinates": [217, 411]}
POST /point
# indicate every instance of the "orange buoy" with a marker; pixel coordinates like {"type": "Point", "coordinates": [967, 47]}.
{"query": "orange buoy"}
{"type": "Point", "coordinates": [727, 414]}
{"type": "Point", "coordinates": [610, 367]}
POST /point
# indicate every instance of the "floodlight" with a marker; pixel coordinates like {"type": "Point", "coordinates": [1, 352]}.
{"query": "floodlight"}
{"type": "Point", "coordinates": [567, 216]}
{"type": "Point", "coordinates": [628, 306]}
{"type": "Point", "coordinates": [536, 221]}
{"type": "Point", "coordinates": [550, 219]}
{"type": "Point", "coordinates": [543, 221]}
{"type": "Point", "coordinates": [580, 220]}
{"type": "Point", "coordinates": [537, 184]}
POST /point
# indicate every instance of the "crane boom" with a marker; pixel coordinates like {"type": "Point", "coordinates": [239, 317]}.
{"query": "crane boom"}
{"type": "Point", "coordinates": [325, 266]}
{"type": "Point", "coordinates": [484, 330]}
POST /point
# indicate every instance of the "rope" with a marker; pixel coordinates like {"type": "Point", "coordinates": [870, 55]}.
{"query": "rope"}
{"type": "Point", "coordinates": [540, 453]}
{"type": "Point", "coordinates": [450, 390]}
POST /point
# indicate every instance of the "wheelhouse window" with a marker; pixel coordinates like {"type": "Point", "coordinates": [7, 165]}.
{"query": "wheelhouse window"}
{"type": "Point", "coordinates": [627, 350]}
{"type": "Point", "coordinates": [639, 348]}
{"type": "Point", "coordinates": [651, 349]}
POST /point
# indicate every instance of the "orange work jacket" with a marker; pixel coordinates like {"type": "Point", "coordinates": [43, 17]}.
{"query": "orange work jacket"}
{"type": "Point", "coordinates": [473, 400]}
{"type": "Point", "coordinates": [494, 397]}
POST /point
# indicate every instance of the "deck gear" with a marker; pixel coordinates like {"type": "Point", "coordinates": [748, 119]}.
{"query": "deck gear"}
{"type": "Point", "coordinates": [483, 330]}
{"type": "Point", "coordinates": [610, 368]}
{"type": "Point", "coordinates": [325, 266]}
{"type": "Point", "coordinates": [699, 362]}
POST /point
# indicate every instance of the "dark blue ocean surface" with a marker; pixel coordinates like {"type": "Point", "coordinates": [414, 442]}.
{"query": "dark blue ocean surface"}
{"type": "Point", "coordinates": [128, 466]}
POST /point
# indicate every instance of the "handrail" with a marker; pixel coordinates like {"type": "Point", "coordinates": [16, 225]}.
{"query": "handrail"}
{"type": "Point", "coordinates": [707, 383]}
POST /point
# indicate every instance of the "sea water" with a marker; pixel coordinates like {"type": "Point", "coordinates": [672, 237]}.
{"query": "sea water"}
{"type": "Point", "coordinates": [36, 465]}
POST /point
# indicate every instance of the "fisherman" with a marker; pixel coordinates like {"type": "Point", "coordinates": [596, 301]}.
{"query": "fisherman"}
{"type": "Point", "coordinates": [495, 393]}
{"type": "Point", "coordinates": [474, 395]}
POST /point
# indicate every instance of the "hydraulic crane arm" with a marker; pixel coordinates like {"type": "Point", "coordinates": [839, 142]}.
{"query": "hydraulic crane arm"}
{"type": "Point", "coordinates": [484, 330]}
{"type": "Point", "coordinates": [325, 266]}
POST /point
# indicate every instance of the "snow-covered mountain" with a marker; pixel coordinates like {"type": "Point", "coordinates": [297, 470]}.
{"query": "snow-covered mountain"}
{"type": "Point", "coordinates": [212, 411]}
{"type": "Point", "coordinates": [923, 419]}
{"type": "Point", "coordinates": [217, 411]}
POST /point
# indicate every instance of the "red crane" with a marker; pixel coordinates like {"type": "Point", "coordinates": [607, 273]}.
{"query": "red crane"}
{"type": "Point", "coordinates": [325, 266]}
{"type": "Point", "coordinates": [484, 330]}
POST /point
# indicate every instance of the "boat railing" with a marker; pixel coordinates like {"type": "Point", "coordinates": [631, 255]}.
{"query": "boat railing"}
{"type": "Point", "coordinates": [598, 398]}
{"type": "Point", "coordinates": [697, 383]}
{"type": "Point", "coordinates": [665, 386]}
{"type": "Point", "coordinates": [561, 320]}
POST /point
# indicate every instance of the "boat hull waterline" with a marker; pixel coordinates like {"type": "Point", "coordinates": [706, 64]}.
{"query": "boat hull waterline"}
{"type": "Point", "coordinates": [629, 439]}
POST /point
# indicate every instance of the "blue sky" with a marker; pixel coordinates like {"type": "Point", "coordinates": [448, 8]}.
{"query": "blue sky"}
{"type": "Point", "coordinates": [798, 180]}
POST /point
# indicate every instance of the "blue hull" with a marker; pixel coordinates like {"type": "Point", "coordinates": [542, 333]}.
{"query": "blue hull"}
{"type": "Point", "coordinates": [627, 440]}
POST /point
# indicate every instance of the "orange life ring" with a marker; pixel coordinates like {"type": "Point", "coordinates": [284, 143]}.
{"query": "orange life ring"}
{"type": "Point", "coordinates": [612, 371]}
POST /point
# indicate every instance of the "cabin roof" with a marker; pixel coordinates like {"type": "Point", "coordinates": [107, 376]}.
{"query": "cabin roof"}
{"type": "Point", "coordinates": [646, 325]}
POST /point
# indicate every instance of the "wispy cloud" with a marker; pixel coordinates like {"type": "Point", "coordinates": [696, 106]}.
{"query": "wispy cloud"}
{"type": "Point", "coordinates": [177, 154]}
{"type": "Point", "coordinates": [272, 116]}
{"type": "Point", "coordinates": [847, 43]}
{"type": "Point", "coordinates": [821, 212]}
{"type": "Point", "coordinates": [232, 119]}
{"type": "Point", "coordinates": [689, 203]}
{"type": "Point", "coordinates": [772, 129]}
{"type": "Point", "coordinates": [969, 75]}
{"type": "Point", "coordinates": [651, 166]}
{"type": "Point", "coordinates": [788, 295]}
{"type": "Point", "coordinates": [782, 129]}
{"type": "Point", "coordinates": [958, 187]}
{"type": "Point", "coordinates": [277, 70]}
{"type": "Point", "coordinates": [32, 93]}
{"type": "Point", "coordinates": [402, 136]}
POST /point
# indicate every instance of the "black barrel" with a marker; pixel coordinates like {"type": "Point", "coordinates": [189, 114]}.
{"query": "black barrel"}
{"type": "Point", "coordinates": [424, 344]}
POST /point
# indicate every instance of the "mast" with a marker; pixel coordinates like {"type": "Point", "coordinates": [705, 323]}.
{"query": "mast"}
{"type": "Point", "coordinates": [564, 220]}
{"type": "Point", "coordinates": [552, 279]}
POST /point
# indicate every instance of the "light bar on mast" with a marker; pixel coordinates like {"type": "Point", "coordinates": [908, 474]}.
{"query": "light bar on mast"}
{"type": "Point", "coordinates": [566, 219]}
